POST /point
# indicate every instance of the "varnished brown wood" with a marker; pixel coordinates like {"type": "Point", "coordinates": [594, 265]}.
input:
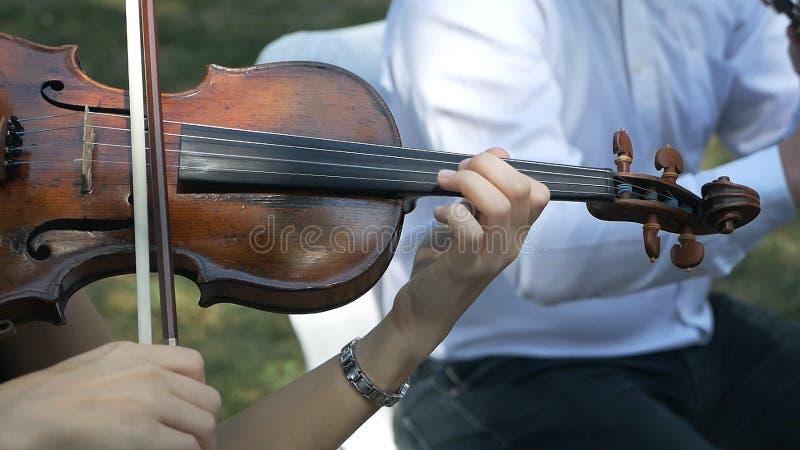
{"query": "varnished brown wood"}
{"type": "Point", "coordinates": [727, 205]}
{"type": "Point", "coordinates": [670, 161]}
{"type": "Point", "coordinates": [222, 241]}
{"type": "Point", "coordinates": [652, 242]}
{"type": "Point", "coordinates": [687, 253]}
{"type": "Point", "coordinates": [622, 147]}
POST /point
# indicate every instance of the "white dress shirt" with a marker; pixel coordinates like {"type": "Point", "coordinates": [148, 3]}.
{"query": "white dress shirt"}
{"type": "Point", "coordinates": [551, 81]}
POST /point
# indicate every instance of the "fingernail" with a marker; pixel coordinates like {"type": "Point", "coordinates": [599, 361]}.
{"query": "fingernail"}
{"type": "Point", "coordinates": [445, 174]}
{"type": "Point", "coordinates": [463, 164]}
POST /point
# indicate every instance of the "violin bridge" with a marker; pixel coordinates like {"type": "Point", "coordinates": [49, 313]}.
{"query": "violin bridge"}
{"type": "Point", "coordinates": [88, 153]}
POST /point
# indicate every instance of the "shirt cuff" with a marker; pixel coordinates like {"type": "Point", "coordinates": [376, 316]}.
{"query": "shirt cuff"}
{"type": "Point", "coordinates": [762, 171]}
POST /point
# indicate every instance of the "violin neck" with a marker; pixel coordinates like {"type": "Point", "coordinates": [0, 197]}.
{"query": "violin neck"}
{"type": "Point", "coordinates": [220, 159]}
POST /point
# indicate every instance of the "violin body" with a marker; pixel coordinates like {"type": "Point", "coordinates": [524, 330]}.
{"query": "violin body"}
{"type": "Point", "coordinates": [63, 226]}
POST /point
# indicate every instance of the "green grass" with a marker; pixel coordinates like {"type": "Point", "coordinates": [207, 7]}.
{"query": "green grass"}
{"type": "Point", "coordinates": [249, 353]}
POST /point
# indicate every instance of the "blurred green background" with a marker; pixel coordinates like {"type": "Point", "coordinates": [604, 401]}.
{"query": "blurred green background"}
{"type": "Point", "coordinates": [250, 353]}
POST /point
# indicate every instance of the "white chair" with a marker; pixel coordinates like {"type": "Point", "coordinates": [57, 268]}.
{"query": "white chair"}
{"type": "Point", "coordinates": [322, 335]}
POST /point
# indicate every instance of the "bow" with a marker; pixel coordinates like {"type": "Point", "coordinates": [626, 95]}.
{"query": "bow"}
{"type": "Point", "coordinates": [158, 185]}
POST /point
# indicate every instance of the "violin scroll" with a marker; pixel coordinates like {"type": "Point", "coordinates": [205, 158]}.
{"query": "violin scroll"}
{"type": "Point", "coordinates": [727, 205]}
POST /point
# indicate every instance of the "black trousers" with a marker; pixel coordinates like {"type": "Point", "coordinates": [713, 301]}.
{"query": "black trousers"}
{"type": "Point", "coordinates": [741, 391]}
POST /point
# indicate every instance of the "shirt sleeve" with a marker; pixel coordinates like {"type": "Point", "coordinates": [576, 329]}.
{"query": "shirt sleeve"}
{"type": "Point", "coordinates": [764, 93]}
{"type": "Point", "coordinates": [467, 78]}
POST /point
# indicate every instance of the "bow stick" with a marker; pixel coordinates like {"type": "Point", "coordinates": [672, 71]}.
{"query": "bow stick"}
{"type": "Point", "coordinates": [158, 185]}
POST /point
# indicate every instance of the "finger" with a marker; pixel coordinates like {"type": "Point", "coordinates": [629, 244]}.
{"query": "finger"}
{"type": "Point", "coordinates": [199, 394]}
{"type": "Point", "coordinates": [465, 231]}
{"type": "Point", "coordinates": [539, 198]}
{"type": "Point", "coordinates": [167, 438]}
{"type": "Point", "coordinates": [513, 184]}
{"type": "Point", "coordinates": [496, 151]}
{"type": "Point", "coordinates": [182, 360]}
{"type": "Point", "coordinates": [492, 204]}
{"type": "Point", "coordinates": [499, 152]}
{"type": "Point", "coordinates": [183, 416]}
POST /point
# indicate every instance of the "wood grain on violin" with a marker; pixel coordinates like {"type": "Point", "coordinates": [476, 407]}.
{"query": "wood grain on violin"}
{"type": "Point", "coordinates": [287, 185]}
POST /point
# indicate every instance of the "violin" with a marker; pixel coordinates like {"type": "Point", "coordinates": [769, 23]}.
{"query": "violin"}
{"type": "Point", "coordinates": [287, 185]}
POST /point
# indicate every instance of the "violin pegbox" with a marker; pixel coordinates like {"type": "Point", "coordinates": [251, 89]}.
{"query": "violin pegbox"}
{"type": "Point", "coordinates": [660, 203]}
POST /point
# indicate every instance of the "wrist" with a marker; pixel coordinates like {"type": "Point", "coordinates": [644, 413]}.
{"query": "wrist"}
{"type": "Point", "coordinates": [384, 357]}
{"type": "Point", "coordinates": [362, 383]}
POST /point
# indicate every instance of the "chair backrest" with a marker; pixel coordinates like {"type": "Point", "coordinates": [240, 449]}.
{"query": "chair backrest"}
{"type": "Point", "coordinates": [357, 49]}
{"type": "Point", "coordinates": [321, 335]}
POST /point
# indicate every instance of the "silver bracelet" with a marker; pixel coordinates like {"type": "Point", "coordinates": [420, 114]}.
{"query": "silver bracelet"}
{"type": "Point", "coordinates": [362, 384]}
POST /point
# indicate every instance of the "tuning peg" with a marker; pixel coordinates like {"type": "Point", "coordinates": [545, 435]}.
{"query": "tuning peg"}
{"type": "Point", "coordinates": [652, 243]}
{"type": "Point", "coordinates": [670, 161]}
{"type": "Point", "coordinates": [623, 148]}
{"type": "Point", "coordinates": [688, 253]}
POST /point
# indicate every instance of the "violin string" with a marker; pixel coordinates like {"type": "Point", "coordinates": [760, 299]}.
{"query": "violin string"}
{"type": "Point", "coordinates": [268, 144]}
{"type": "Point", "coordinates": [65, 163]}
{"type": "Point", "coordinates": [567, 183]}
{"type": "Point", "coordinates": [530, 172]}
{"type": "Point", "coordinates": [636, 194]}
{"type": "Point", "coordinates": [295, 161]}
{"type": "Point", "coordinates": [75, 161]}
{"type": "Point", "coordinates": [121, 116]}
{"type": "Point", "coordinates": [266, 158]}
{"type": "Point", "coordinates": [50, 116]}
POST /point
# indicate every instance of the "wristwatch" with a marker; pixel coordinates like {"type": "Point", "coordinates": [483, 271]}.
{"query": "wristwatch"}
{"type": "Point", "coordinates": [362, 384]}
